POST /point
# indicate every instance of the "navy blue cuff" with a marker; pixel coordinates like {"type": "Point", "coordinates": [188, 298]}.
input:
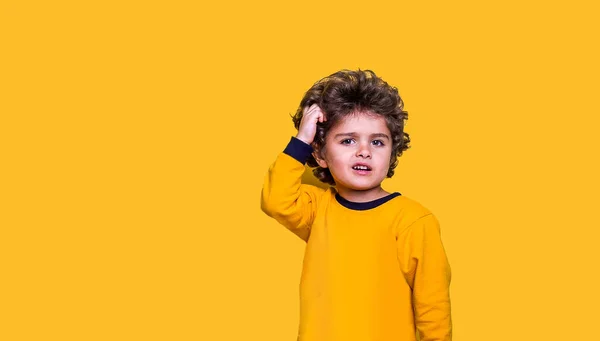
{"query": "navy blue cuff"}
{"type": "Point", "coordinates": [298, 149]}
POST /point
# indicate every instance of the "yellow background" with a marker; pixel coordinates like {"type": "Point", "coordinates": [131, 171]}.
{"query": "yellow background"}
{"type": "Point", "coordinates": [134, 139]}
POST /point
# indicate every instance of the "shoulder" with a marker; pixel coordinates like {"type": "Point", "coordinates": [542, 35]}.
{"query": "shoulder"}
{"type": "Point", "coordinates": [408, 211]}
{"type": "Point", "coordinates": [317, 192]}
{"type": "Point", "coordinates": [409, 208]}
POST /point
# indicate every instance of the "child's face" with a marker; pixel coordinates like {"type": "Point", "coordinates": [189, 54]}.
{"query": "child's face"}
{"type": "Point", "coordinates": [359, 138]}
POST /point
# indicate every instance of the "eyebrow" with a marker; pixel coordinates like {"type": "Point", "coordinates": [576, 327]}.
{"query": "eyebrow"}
{"type": "Point", "coordinates": [355, 134]}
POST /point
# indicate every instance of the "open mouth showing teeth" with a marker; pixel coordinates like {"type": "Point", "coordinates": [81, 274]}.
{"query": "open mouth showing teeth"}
{"type": "Point", "coordinates": [363, 168]}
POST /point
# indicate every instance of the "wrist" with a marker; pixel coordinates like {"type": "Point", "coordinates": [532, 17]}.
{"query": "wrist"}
{"type": "Point", "coordinates": [298, 149]}
{"type": "Point", "coordinates": [303, 139]}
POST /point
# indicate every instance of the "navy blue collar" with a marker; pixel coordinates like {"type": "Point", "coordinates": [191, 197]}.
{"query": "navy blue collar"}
{"type": "Point", "coordinates": [361, 206]}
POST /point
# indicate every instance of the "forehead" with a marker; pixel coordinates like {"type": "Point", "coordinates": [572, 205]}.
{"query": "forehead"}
{"type": "Point", "coordinates": [361, 123]}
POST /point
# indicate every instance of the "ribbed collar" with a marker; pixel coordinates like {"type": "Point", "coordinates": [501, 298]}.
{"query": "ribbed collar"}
{"type": "Point", "coordinates": [361, 206]}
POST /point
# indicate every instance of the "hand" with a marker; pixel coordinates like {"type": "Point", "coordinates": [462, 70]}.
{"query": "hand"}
{"type": "Point", "coordinates": [308, 125]}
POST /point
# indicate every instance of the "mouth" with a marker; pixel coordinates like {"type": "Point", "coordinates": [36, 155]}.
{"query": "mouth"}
{"type": "Point", "coordinates": [361, 169]}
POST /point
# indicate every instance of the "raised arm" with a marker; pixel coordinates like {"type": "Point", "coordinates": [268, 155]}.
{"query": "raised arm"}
{"type": "Point", "coordinates": [283, 195]}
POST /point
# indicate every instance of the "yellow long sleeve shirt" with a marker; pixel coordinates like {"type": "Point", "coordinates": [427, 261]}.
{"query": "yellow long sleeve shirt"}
{"type": "Point", "coordinates": [372, 271]}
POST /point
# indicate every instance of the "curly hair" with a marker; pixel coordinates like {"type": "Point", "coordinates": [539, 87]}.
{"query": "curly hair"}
{"type": "Point", "coordinates": [348, 92]}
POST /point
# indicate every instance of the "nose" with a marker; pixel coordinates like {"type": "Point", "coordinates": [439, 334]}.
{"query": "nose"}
{"type": "Point", "coordinates": [363, 151]}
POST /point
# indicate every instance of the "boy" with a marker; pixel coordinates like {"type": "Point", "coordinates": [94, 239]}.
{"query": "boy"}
{"type": "Point", "coordinates": [375, 268]}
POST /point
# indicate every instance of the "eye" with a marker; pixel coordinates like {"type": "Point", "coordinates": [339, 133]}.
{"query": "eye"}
{"type": "Point", "coordinates": [378, 141]}
{"type": "Point", "coordinates": [344, 141]}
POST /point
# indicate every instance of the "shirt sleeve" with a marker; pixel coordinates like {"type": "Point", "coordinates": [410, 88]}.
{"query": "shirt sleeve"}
{"type": "Point", "coordinates": [426, 269]}
{"type": "Point", "coordinates": [283, 195]}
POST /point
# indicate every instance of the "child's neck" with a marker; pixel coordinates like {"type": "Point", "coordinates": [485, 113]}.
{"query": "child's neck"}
{"type": "Point", "coordinates": [362, 195]}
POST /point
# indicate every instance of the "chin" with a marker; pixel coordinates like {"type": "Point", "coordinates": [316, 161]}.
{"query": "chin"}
{"type": "Point", "coordinates": [361, 187]}
{"type": "Point", "coordinates": [360, 183]}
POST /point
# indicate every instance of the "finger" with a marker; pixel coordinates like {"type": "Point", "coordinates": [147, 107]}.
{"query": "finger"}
{"type": "Point", "coordinates": [308, 108]}
{"type": "Point", "coordinates": [305, 110]}
{"type": "Point", "coordinates": [313, 113]}
{"type": "Point", "coordinates": [321, 116]}
{"type": "Point", "coordinates": [317, 110]}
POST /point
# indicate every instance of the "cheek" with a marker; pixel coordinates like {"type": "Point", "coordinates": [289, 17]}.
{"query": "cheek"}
{"type": "Point", "coordinates": [385, 159]}
{"type": "Point", "coordinates": [339, 163]}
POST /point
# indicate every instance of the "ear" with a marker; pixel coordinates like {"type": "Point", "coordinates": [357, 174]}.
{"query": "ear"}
{"type": "Point", "coordinates": [319, 159]}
